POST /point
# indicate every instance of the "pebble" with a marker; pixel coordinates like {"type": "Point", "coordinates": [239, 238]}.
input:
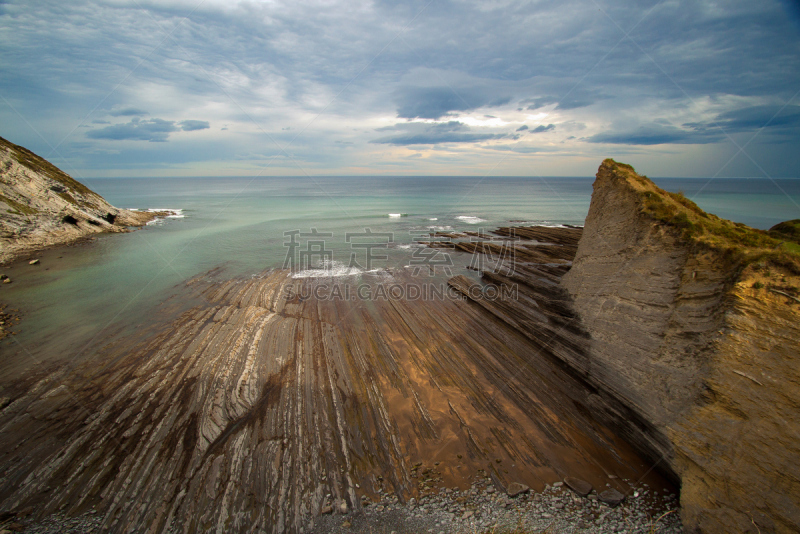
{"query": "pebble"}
{"type": "Point", "coordinates": [480, 508]}
{"type": "Point", "coordinates": [557, 510]}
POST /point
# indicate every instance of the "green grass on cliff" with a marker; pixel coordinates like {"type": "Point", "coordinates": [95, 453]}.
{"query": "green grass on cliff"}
{"type": "Point", "coordinates": [737, 242]}
{"type": "Point", "coordinates": [42, 166]}
{"type": "Point", "coordinates": [18, 207]}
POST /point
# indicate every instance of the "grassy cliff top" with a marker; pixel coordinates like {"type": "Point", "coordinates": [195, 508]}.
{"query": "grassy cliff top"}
{"type": "Point", "coordinates": [42, 166]}
{"type": "Point", "coordinates": [736, 241]}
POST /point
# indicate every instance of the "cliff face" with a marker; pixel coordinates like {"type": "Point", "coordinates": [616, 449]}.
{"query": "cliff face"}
{"type": "Point", "coordinates": [41, 205]}
{"type": "Point", "coordinates": [701, 349]}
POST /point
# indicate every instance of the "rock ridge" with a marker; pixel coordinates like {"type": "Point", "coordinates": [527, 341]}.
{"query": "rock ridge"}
{"type": "Point", "coordinates": [41, 206]}
{"type": "Point", "coordinates": [691, 318]}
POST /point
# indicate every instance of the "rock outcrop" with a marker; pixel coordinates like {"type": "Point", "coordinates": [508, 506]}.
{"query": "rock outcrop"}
{"type": "Point", "coordinates": [694, 329]}
{"type": "Point", "coordinates": [40, 205]}
{"type": "Point", "coordinates": [273, 401]}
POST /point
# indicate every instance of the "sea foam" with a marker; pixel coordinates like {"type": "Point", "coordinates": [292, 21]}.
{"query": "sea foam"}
{"type": "Point", "coordinates": [469, 219]}
{"type": "Point", "coordinates": [328, 269]}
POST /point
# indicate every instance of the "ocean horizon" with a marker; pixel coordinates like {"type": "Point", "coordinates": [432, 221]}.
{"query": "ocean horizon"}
{"type": "Point", "coordinates": [240, 227]}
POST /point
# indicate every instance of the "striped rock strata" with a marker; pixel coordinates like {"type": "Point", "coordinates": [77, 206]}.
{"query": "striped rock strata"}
{"type": "Point", "coordinates": [267, 403]}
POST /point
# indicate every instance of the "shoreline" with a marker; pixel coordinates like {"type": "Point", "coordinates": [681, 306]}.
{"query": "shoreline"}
{"type": "Point", "coordinates": [480, 508]}
{"type": "Point", "coordinates": [424, 381]}
{"type": "Point", "coordinates": [15, 250]}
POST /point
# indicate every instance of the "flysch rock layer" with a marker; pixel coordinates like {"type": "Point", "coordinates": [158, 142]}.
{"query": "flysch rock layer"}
{"type": "Point", "coordinates": [269, 405]}
{"type": "Point", "coordinates": [41, 206]}
{"type": "Point", "coordinates": [703, 359]}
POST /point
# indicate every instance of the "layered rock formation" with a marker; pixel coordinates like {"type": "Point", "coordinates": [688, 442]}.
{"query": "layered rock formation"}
{"type": "Point", "coordinates": [694, 329]}
{"type": "Point", "coordinates": [277, 399]}
{"type": "Point", "coordinates": [40, 205]}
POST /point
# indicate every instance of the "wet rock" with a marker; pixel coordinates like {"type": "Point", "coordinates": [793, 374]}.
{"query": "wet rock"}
{"type": "Point", "coordinates": [581, 487]}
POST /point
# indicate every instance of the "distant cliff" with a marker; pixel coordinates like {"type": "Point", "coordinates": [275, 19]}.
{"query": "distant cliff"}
{"type": "Point", "coordinates": [695, 328]}
{"type": "Point", "coordinates": [40, 205]}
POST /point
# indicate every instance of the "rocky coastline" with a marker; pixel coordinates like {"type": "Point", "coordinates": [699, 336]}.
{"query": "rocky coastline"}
{"type": "Point", "coordinates": [599, 396]}
{"type": "Point", "coordinates": [43, 207]}
{"type": "Point", "coordinates": [480, 508]}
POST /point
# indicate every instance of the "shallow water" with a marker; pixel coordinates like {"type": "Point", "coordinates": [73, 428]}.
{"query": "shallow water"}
{"type": "Point", "coordinates": [78, 295]}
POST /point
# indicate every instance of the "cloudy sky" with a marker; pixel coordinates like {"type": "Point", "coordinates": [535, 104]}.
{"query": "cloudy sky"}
{"type": "Point", "coordinates": [450, 87]}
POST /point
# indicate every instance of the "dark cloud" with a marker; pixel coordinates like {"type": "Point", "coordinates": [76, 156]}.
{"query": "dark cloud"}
{"type": "Point", "coordinates": [127, 112]}
{"type": "Point", "coordinates": [416, 133]}
{"type": "Point", "coordinates": [436, 102]}
{"type": "Point", "coordinates": [153, 130]}
{"type": "Point", "coordinates": [97, 121]}
{"type": "Point", "coordinates": [542, 128]}
{"type": "Point", "coordinates": [753, 118]}
{"type": "Point", "coordinates": [280, 61]}
{"type": "Point", "coordinates": [572, 99]}
{"type": "Point", "coordinates": [449, 126]}
{"type": "Point", "coordinates": [781, 122]}
{"type": "Point", "coordinates": [655, 134]}
{"type": "Point", "coordinates": [522, 128]}
{"type": "Point", "coordinates": [192, 125]}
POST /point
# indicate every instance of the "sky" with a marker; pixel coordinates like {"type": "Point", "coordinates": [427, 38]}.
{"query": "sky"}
{"type": "Point", "coordinates": [676, 88]}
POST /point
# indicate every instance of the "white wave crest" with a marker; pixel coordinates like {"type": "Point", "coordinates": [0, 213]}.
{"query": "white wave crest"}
{"type": "Point", "coordinates": [328, 269]}
{"type": "Point", "coordinates": [469, 219]}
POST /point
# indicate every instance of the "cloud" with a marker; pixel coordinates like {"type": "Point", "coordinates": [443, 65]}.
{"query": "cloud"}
{"type": "Point", "coordinates": [127, 112]}
{"type": "Point", "coordinates": [153, 130]}
{"type": "Point", "coordinates": [279, 63]}
{"type": "Point", "coordinates": [436, 102]}
{"type": "Point", "coordinates": [192, 125]}
{"type": "Point", "coordinates": [654, 134]}
{"type": "Point", "coordinates": [542, 128]}
{"type": "Point", "coordinates": [519, 149]}
{"type": "Point", "coordinates": [431, 134]}
{"type": "Point", "coordinates": [522, 128]}
{"type": "Point", "coordinates": [753, 118]}
{"type": "Point", "coordinates": [572, 99]}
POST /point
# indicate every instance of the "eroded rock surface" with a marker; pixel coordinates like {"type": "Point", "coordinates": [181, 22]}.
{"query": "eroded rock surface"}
{"type": "Point", "coordinates": [266, 406]}
{"type": "Point", "coordinates": [40, 205]}
{"type": "Point", "coordinates": [702, 355]}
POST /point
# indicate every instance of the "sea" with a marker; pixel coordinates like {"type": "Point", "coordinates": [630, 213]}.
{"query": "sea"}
{"type": "Point", "coordinates": [240, 227]}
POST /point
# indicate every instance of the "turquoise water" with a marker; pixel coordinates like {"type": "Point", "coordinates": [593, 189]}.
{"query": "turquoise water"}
{"type": "Point", "coordinates": [79, 294]}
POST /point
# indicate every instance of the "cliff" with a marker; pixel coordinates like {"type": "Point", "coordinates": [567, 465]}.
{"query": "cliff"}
{"type": "Point", "coordinates": [694, 328]}
{"type": "Point", "coordinates": [40, 205]}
